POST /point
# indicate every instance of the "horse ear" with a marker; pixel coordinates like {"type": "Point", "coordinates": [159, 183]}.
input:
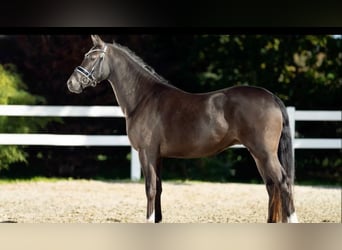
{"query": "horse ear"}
{"type": "Point", "coordinates": [97, 40]}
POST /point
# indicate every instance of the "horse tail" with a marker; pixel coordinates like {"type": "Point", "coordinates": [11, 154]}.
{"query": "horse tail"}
{"type": "Point", "coordinates": [285, 150]}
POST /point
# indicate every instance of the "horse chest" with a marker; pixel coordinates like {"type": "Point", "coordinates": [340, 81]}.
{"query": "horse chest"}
{"type": "Point", "coordinates": [141, 132]}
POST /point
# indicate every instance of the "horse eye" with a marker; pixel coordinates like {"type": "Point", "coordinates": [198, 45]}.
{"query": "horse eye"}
{"type": "Point", "coordinates": [91, 57]}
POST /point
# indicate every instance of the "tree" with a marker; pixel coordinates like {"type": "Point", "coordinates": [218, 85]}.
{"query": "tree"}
{"type": "Point", "coordinates": [14, 91]}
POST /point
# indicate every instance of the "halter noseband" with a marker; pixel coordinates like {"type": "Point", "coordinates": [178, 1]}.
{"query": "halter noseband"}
{"type": "Point", "coordinates": [88, 76]}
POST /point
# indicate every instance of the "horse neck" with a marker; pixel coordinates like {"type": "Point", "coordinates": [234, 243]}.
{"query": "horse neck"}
{"type": "Point", "coordinates": [130, 83]}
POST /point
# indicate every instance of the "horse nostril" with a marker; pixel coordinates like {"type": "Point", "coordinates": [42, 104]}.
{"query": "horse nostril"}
{"type": "Point", "coordinates": [69, 84]}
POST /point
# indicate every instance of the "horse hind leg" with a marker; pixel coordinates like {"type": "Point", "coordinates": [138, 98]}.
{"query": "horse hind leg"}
{"type": "Point", "coordinates": [285, 187]}
{"type": "Point", "coordinates": [280, 205]}
{"type": "Point", "coordinates": [274, 203]}
{"type": "Point", "coordinates": [287, 199]}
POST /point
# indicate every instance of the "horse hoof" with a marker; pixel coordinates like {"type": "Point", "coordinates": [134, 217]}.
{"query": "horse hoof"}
{"type": "Point", "coordinates": [292, 218]}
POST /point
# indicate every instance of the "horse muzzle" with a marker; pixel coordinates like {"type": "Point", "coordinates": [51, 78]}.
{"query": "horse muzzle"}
{"type": "Point", "coordinates": [74, 86]}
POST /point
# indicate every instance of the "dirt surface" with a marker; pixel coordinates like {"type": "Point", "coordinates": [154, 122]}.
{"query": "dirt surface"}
{"type": "Point", "coordinates": [82, 201]}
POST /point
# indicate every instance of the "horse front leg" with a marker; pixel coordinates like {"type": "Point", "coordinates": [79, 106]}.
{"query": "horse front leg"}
{"type": "Point", "coordinates": [148, 163]}
{"type": "Point", "coordinates": [158, 212]}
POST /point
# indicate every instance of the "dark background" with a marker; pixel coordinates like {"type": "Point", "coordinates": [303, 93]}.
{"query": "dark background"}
{"type": "Point", "coordinates": [133, 13]}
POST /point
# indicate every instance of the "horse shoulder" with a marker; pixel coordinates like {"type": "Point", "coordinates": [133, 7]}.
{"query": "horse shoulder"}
{"type": "Point", "coordinates": [142, 126]}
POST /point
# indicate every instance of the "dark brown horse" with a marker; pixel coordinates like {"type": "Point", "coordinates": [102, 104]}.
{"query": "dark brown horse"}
{"type": "Point", "coordinates": [164, 121]}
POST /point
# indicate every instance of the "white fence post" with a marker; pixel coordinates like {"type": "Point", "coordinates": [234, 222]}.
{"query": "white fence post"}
{"type": "Point", "coordinates": [135, 165]}
{"type": "Point", "coordinates": [292, 122]}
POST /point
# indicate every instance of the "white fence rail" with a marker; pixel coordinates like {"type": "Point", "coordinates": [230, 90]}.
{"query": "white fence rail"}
{"type": "Point", "coordinates": [122, 140]}
{"type": "Point", "coordinates": [317, 143]}
{"type": "Point", "coordinates": [68, 140]}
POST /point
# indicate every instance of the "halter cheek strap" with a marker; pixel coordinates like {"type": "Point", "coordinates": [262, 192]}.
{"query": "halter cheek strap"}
{"type": "Point", "coordinates": [89, 78]}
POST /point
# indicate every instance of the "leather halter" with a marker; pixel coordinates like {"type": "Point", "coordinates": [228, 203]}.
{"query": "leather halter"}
{"type": "Point", "coordinates": [88, 76]}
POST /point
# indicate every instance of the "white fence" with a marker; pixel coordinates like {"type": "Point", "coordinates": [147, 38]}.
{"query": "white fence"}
{"type": "Point", "coordinates": [68, 140]}
{"type": "Point", "coordinates": [122, 140]}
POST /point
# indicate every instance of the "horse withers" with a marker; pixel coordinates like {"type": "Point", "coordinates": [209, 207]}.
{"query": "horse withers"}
{"type": "Point", "coordinates": [164, 121]}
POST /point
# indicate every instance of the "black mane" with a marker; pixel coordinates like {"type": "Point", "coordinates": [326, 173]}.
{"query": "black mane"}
{"type": "Point", "coordinates": [145, 67]}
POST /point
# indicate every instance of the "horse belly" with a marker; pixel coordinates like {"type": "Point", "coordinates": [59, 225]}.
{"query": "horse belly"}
{"type": "Point", "coordinates": [191, 149]}
{"type": "Point", "coordinates": [196, 139]}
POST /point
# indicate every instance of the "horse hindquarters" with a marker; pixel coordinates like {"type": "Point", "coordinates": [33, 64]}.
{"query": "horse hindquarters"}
{"type": "Point", "coordinates": [266, 138]}
{"type": "Point", "coordinates": [272, 150]}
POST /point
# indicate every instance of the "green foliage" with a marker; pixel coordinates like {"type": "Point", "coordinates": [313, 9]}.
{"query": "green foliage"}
{"type": "Point", "coordinates": [14, 91]}
{"type": "Point", "coordinates": [290, 66]}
